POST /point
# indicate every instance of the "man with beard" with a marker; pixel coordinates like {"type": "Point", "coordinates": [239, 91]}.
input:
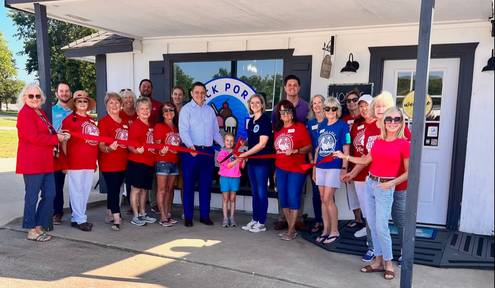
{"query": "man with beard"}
{"type": "Point", "coordinates": [146, 90]}
{"type": "Point", "coordinates": [59, 111]}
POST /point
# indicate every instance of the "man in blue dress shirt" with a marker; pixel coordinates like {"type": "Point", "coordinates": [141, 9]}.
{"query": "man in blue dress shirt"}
{"type": "Point", "coordinates": [198, 128]}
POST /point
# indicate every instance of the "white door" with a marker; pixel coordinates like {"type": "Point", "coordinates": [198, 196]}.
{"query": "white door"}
{"type": "Point", "coordinates": [398, 78]}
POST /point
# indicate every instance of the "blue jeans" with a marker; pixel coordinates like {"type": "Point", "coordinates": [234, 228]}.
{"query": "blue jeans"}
{"type": "Point", "coordinates": [38, 214]}
{"type": "Point", "coordinates": [289, 188]}
{"type": "Point", "coordinates": [399, 213]}
{"type": "Point", "coordinates": [379, 203]}
{"type": "Point", "coordinates": [258, 178]}
{"type": "Point", "coordinates": [194, 169]}
{"type": "Point", "coordinates": [316, 202]}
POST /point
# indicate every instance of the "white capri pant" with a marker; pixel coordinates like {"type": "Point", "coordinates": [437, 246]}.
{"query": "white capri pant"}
{"type": "Point", "coordinates": [352, 197]}
{"type": "Point", "coordinates": [80, 182]}
{"type": "Point", "coordinates": [328, 177]}
{"type": "Point", "coordinates": [360, 190]}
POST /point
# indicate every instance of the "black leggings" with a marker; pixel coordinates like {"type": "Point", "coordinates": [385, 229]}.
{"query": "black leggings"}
{"type": "Point", "coordinates": [113, 181]}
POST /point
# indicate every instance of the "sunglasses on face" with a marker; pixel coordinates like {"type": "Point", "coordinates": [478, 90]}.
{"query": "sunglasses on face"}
{"type": "Point", "coordinates": [328, 109]}
{"type": "Point", "coordinates": [285, 112]}
{"type": "Point", "coordinates": [125, 89]}
{"type": "Point", "coordinates": [350, 100]}
{"type": "Point", "coordinates": [82, 101]}
{"type": "Point", "coordinates": [390, 119]}
{"type": "Point", "coordinates": [31, 96]}
{"type": "Point", "coordinates": [168, 110]}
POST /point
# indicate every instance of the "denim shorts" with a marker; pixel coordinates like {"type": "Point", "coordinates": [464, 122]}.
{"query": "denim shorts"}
{"type": "Point", "coordinates": [166, 168]}
{"type": "Point", "coordinates": [229, 184]}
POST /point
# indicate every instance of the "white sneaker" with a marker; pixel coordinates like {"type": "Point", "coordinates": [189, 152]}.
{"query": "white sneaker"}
{"type": "Point", "coordinates": [258, 227]}
{"type": "Point", "coordinates": [147, 219]}
{"type": "Point", "coordinates": [137, 221]}
{"type": "Point", "coordinates": [360, 233]}
{"type": "Point", "coordinates": [248, 226]}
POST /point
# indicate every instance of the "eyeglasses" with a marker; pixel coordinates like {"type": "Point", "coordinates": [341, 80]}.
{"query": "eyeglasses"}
{"type": "Point", "coordinates": [31, 96]}
{"type": "Point", "coordinates": [390, 119]}
{"type": "Point", "coordinates": [168, 110]}
{"type": "Point", "coordinates": [125, 89]}
{"type": "Point", "coordinates": [285, 112]}
{"type": "Point", "coordinates": [82, 101]}
{"type": "Point", "coordinates": [350, 100]}
{"type": "Point", "coordinates": [333, 109]}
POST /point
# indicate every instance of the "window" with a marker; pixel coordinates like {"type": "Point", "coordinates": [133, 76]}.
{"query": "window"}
{"type": "Point", "coordinates": [265, 75]}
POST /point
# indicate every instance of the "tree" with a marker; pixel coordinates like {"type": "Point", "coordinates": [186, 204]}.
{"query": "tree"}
{"type": "Point", "coordinates": [78, 74]}
{"type": "Point", "coordinates": [9, 86]}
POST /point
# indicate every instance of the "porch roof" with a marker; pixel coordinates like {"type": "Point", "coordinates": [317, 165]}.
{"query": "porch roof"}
{"type": "Point", "coordinates": [178, 18]}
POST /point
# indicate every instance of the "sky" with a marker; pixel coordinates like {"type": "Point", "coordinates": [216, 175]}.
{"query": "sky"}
{"type": "Point", "coordinates": [8, 30]}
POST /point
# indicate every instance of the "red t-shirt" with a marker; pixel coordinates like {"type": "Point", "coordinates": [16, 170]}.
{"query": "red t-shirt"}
{"type": "Point", "coordinates": [81, 154]}
{"type": "Point", "coordinates": [156, 111]}
{"type": "Point", "coordinates": [164, 134]}
{"type": "Point", "coordinates": [357, 147]}
{"type": "Point", "coordinates": [293, 137]}
{"type": "Point", "coordinates": [141, 134]}
{"type": "Point", "coordinates": [116, 160]}
{"type": "Point", "coordinates": [371, 134]}
{"type": "Point", "coordinates": [349, 119]}
{"type": "Point", "coordinates": [126, 118]}
{"type": "Point", "coordinates": [388, 157]}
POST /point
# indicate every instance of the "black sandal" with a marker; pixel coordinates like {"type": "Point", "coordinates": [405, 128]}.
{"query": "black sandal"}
{"type": "Point", "coordinates": [316, 227]}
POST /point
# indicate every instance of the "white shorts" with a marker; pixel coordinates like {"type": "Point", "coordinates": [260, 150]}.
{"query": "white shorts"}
{"type": "Point", "coordinates": [328, 177]}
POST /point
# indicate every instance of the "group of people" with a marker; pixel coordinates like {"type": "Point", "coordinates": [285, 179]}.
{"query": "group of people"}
{"type": "Point", "coordinates": [144, 141]}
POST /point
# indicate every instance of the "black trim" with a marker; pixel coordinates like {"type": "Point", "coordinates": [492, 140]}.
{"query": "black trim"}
{"type": "Point", "coordinates": [13, 2]}
{"type": "Point", "coordinates": [101, 84]}
{"type": "Point", "coordinates": [465, 52]}
{"type": "Point", "coordinates": [170, 59]}
{"type": "Point", "coordinates": [43, 54]}
{"type": "Point", "coordinates": [102, 49]}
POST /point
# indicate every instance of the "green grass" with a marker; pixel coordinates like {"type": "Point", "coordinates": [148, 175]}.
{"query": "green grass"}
{"type": "Point", "coordinates": [9, 113]}
{"type": "Point", "coordinates": [7, 122]}
{"type": "Point", "coordinates": [8, 143]}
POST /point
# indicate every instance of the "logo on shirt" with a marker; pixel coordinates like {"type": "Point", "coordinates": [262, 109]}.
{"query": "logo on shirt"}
{"type": "Point", "coordinates": [121, 134]}
{"type": "Point", "coordinates": [371, 141]}
{"type": "Point", "coordinates": [358, 142]}
{"type": "Point", "coordinates": [89, 128]}
{"type": "Point", "coordinates": [256, 128]}
{"type": "Point", "coordinates": [172, 139]}
{"type": "Point", "coordinates": [149, 138]}
{"type": "Point", "coordinates": [327, 143]}
{"type": "Point", "coordinates": [283, 143]}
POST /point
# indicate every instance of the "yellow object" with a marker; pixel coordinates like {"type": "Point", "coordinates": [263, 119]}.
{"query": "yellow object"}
{"type": "Point", "coordinates": [408, 104]}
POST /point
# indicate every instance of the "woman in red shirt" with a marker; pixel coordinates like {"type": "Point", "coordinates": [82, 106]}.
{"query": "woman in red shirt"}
{"type": "Point", "coordinates": [292, 143]}
{"type": "Point", "coordinates": [128, 113]}
{"type": "Point", "coordinates": [81, 156]}
{"type": "Point", "coordinates": [141, 162]}
{"type": "Point", "coordinates": [113, 156]}
{"type": "Point", "coordinates": [389, 156]}
{"type": "Point", "coordinates": [166, 169]}
{"type": "Point", "coordinates": [37, 140]}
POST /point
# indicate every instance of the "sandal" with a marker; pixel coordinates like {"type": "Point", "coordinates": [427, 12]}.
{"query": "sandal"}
{"type": "Point", "coordinates": [320, 238]}
{"type": "Point", "coordinates": [388, 275]}
{"type": "Point", "coordinates": [116, 227]}
{"type": "Point", "coordinates": [42, 237]}
{"type": "Point", "coordinates": [288, 237]}
{"type": "Point", "coordinates": [282, 234]}
{"type": "Point", "coordinates": [165, 223]}
{"type": "Point", "coordinates": [353, 224]}
{"type": "Point", "coordinates": [316, 227]}
{"type": "Point", "coordinates": [330, 239]}
{"type": "Point", "coordinates": [172, 220]}
{"type": "Point", "coordinates": [370, 269]}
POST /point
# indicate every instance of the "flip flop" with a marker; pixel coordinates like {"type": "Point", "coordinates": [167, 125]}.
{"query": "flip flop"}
{"type": "Point", "coordinates": [330, 239]}
{"type": "Point", "coordinates": [42, 237]}
{"type": "Point", "coordinates": [316, 227]}
{"type": "Point", "coordinates": [388, 275]}
{"type": "Point", "coordinates": [288, 237]}
{"type": "Point", "coordinates": [370, 269]}
{"type": "Point", "coordinates": [321, 238]}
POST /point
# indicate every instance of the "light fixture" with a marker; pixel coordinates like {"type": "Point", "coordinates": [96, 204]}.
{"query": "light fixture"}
{"type": "Point", "coordinates": [490, 66]}
{"type": "Point", "coordinates": [351, 66]}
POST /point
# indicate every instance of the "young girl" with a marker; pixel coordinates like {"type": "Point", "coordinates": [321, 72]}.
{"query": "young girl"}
{"type": "Point", "coordinates": [230, 176]}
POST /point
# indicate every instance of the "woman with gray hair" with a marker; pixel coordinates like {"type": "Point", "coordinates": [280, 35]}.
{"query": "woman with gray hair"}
{"type": "Point", "coordinates": [316, 105]}
{"type": "Point", "coordinates": [35, 151]}
{"type": "Point", "coordinates": [128, 113]}
{"type": "Point", "coordinates": [333, 136]}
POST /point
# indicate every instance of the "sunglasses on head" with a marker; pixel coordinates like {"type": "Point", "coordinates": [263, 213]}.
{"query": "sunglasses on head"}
{"type": "Point", "coordinates": [390, 119]}
{"type": "Point", "coordinates": [333, 109]}
{"type": "Point", "coordinates": [285, 112]}
{"type": "Point", "coordinates": [168, 110]}
{"type": "Point", "coordinates": [350, 100]}
{"type": "Point", "coordinates": [31, 96]}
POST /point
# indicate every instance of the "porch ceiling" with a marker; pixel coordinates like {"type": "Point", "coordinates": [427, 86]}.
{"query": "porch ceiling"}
{"type": "Point", "coordinates": [173, 18]}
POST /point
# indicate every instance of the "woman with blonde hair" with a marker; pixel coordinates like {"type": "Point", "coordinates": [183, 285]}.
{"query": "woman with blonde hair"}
{"type": "Point", "coordinates": [389, 156]}
{"type": "Point", "coordinates": [35, 151]}
{"type": "Point", "coordinates": [128, 113]}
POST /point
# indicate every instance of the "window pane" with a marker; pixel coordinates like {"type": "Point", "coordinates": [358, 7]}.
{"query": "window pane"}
{"type": "Point", "coordinates": [435, 83]}
{"type": "Point", "coordinates": [403, 83]}
{"type": "Point", "coordinates": [186, 73]}
{"type": "Point", "coordinates": [265, 76]}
